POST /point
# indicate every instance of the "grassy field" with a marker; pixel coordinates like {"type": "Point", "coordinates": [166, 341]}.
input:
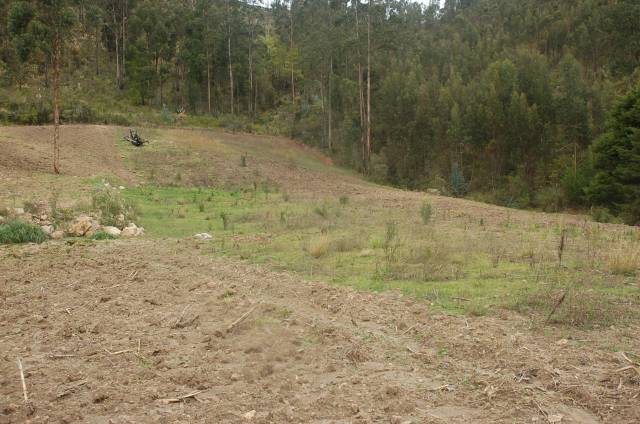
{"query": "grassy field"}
{"type": "Point", "coordinates": [454, 261]}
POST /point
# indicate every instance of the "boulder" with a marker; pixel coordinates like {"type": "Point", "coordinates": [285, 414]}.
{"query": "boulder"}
{"type": "Point", "coordinates": [48, 229]}
{"type": "Point", "coordinates": [120, 221]}
{"type": "Point", "coordinates": [132, 230]}
{"type": "Point", "coordinates": [57, 235]}
{"type": "Point", "coordinates": [83, 226]}
{"type": "Point", "coordinates": [113, 231]}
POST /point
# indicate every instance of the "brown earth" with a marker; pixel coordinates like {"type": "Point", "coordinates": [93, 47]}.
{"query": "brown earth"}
{"type": "Point", "coordinates": [114, 332]}
{"type": "Point", "coordinates": [107, 331]}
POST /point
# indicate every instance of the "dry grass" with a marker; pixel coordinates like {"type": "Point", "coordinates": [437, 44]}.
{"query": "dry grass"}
{"type": "Point", "coordinates": [624, 259]}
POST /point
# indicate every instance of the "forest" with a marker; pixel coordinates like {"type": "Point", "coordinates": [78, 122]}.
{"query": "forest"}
{"type": "Point", "coordinates": [527, 103]}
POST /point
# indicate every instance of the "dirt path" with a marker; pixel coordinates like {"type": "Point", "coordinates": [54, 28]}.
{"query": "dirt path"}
{"type": "Point", "coordinates": [107, 331]}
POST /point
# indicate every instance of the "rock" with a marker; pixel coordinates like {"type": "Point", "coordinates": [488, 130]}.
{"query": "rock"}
{"type": "Point", "coordinates": [57, 235]}
{"type": "Point", "coordinates": [203, 236]}
{"type": "Point", "coordinates": [83, 226]}
{"type": "Point", "coordinates": [121, 188]}
{"type": "Point", "coordinates": [132, 230]}
{"type": "Point", "coordinates": [48, 229]}
{"type": "Point", "coordinates": [250, 415]}
{"type": "Point", "coordinates": [434, 191]}
{"type": "Point", "coordinates": [2, 219]}
{"type": "Point", "coordinates": [18, 211]}
{"type": "Point", "coordinates": [120, 221]}
{"type": "Point", "coordinates": [113, 231]}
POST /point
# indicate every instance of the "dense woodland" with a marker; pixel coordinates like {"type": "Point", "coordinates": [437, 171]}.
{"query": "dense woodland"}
{"type": "Point", "coordinates": [499, 99]}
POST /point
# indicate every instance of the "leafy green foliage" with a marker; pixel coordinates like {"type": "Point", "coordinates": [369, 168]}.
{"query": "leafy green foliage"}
{"type": "Point", "coordinates": [21, 232]}
{"type": "Point", "coordinates": [616, 184]}
{"type": "Point", "coordinates": [114, 209]}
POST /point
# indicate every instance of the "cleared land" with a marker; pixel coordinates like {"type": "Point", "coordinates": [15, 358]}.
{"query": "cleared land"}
{"type": "Point", "coordinates": [461, 333]}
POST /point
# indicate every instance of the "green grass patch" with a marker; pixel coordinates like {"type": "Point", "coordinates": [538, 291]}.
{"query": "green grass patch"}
{"type": "Point", "coordinates": [21, 232]}
{"type": "Point", "coordinates": [453, 265]}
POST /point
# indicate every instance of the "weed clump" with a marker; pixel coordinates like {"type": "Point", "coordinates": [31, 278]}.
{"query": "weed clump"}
{"type": "Point", "coordinates": [624, 260]}
{"type": "Point", "coordinates": [426, 212]}
{"type": "Point", "coordinates": [21, 232]}
{"type": "Point", "coordinates": [113, 208]}
{"type": "Point", "coordinates": [101, 235]}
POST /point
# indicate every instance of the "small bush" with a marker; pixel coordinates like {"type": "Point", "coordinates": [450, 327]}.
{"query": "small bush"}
{"type": "Point", "coordinates": [319, 247]}
{"type": "Point", "coordinates": [21, 232]}
{"type": "Point", "coordinates": [112, 207]}
{"type": "Point", "coordinates": [624, 260]}
{"type": "Point", "coordinates": [344, 200]}
{"type": "Point", "coordinates": [321, 211]}
{"type": "Point", "coordinates": [101, 235]}
{"type": "Point", "coordinates": [226, 220]}
{"type": "Point", "coordinates": [201, 207]}
{"type": "Point", "coordinates": [426, 212]}
{"type": "Point", "coordinates": [602, 215]}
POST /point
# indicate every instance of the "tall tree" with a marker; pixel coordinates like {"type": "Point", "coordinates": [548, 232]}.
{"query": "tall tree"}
{"type": "Point", "coordinates": [43, 26]}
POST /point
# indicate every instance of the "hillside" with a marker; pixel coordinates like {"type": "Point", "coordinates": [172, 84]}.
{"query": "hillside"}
{"type": "Point", "coordinates": [386, 305]}
{"type": "Point", "coordinates": [495, 99]}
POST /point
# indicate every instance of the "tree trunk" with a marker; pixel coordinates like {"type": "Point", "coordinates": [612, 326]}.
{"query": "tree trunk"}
{"type": "Point", "coordinates": [229, 54]}
{"type": "Point", "coordinates": [329, 132]}
{"type": "Point", "coordinates": [209, 80]}
{"type": "Point", "coordinates": [56, 101]}
{"type": "Point", "coordinates": [124, 38]}
{"type": "Point", "coordinates": [117, 41]}
{"type": "Point", "coordinates": [293, 81]}
{"type": "Point", "coordinates": [97, 52]}
{"type": "Point", "coordinates": [368, 85]}
{"type": "Point", "coordinates": [360, 90]}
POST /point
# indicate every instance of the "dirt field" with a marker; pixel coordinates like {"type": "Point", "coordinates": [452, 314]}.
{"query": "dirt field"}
{"type": "Point", "coordinates": [137, 331]}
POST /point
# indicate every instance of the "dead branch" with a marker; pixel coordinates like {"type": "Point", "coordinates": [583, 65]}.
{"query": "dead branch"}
{"type": "Point", "coordinates": [242, 318]}
{"type": "Point", "coordinates": [181, 398]}
{"type": "Point", "coordinates": [24, 384]}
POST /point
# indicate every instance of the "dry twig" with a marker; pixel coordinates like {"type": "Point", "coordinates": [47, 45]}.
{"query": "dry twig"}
{"type": "Point", "coordinates": [242, 318]}
{"type": "Point", "coordinates": [181, 398]}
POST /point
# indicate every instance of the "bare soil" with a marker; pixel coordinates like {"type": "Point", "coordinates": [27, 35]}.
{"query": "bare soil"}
{"type": "Point", "coordinates": [121, 331]}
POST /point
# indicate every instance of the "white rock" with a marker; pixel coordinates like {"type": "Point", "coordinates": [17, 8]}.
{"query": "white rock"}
{"type": "Point", "coordinates": [18, 211]}
{"type": "Point", "coordinates": [132, 230]}
{"type": "Point", "coordinates": [121, 188]}
{"type": "Point", "coordinates": [48, 229]}
{"type": "Point", "coordinates": [250, 415]}
{"type": "Point", "coordinates": [114, 231]}
{"type": "Point", "coordinates": [203, 236]}
{"type": "Point", "coordinates": [433, 191]}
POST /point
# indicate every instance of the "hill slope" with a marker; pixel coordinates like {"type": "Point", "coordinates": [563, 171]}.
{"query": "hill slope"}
{"type": "Point", "coordinates": [110, 330]}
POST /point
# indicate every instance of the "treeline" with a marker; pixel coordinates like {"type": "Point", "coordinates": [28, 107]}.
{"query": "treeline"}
{"type": "Point", "coordinates": [499, 98]}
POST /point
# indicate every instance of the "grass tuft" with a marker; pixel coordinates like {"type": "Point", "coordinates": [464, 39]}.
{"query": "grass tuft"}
{"type": "Point", "coordinates": [21, 232]}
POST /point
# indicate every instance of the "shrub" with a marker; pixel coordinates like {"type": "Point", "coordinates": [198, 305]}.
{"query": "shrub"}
{"type": "Point", "coordinates": [459, 184]}
{"type": "Point", "coordinates": [426, 212]}
{"type": "Point", "coordinates": [344, 200]}
{"type": "Point", "coordinates": [321, 211]}
{"type": "Point", "coordinates": [625, 259]}
{"type": "Point", "coordinates": [112, 206]}
{"type": "Point", "coordinates": [21, 232]}
{"type": "Point", "coordinates": [319, 247]}
{"type": "Point", "coordinates": [600, 214]}
{"type": "Point", "coordinates": [101, 235]}
{"type": "Point", "coordinates": [226, 220]}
